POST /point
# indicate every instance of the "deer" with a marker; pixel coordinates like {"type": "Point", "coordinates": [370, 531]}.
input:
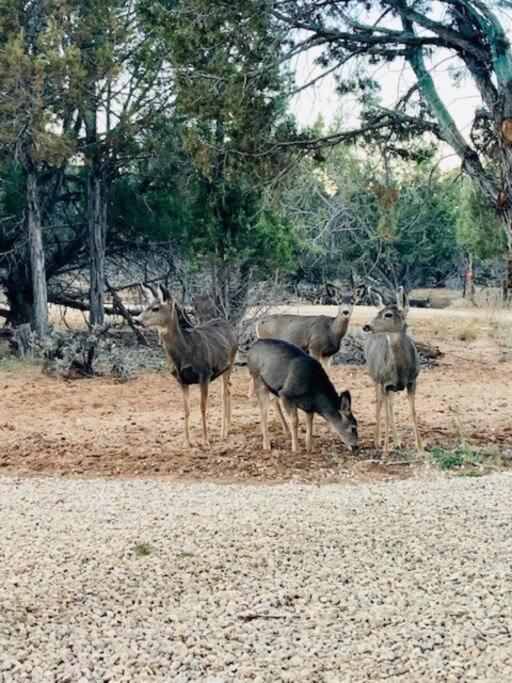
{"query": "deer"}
{"type": "Point", "coordinates": [393, 364]}
{"type": "Point", "coordinates": [297, 381]}
{"type": "Point", "coordinates": [318, 335]}
{"type": "Point", "coordinates": [197, 354]}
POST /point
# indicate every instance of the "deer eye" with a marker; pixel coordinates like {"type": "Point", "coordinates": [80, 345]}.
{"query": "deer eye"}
{"type": "Point", "coordinates": [388, 315]}
{"type": "Point", "coordinates": [155, 308]}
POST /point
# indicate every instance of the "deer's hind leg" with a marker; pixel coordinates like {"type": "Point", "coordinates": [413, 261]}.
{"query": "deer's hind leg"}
{"type": "Point", "coordinates": [263, 396]}
{"type": "Point", "coordinates": [280, 414]}
{"type": "Point", "coordinates": [185, 390]}
{"type": "Point", "coordinates": [290, 410]}
{"type": "Point", "coordinates": [204, 400]}
{"type": "Point", "coordinates": [411, 395]}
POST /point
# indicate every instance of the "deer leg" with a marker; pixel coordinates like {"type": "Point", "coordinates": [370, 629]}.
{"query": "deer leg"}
{"type": "Point", "coordinates": [262, 395]}
{"type": "Point", "coordinates": [326, 362]}
{"type": "Point", "coordinates": [411, 395]}
{"type": "Point", "coordinates": [204, 399]}
{"type": "Point", "coordinates": [309, 430]}
{"type": "Point", "coordinates": [279, 410]}
{"type": "Point", "coordinates": [185, 389]}
{"type": "Point", "coordinates": [250, 391]}
{"type": "Point", "coordinates": [229, 396]}
{"type": "Point", "coordinates": [225, 399]}
{"type": "Point", "coordinates": [378, 400]}
{"type": "Point", "coordinates": [290, 410]}
{"type": "Point", "coordinates": [386, 424]}
{"type": "Point", "coordinates": [391, 407]}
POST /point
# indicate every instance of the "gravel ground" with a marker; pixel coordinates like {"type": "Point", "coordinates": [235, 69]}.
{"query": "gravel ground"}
{"type": "Point", "coordinates": [137, 580]}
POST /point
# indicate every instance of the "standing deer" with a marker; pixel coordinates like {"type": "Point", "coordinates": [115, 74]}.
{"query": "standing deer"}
{"type": "Point", "coordinates": [299, 382]}
{"type": "Point", "coordinates": [196, 354]}
{"type": "Point", "coordinates": [393, 364]}
{"type": "Point", "coordinates": [318, 335]}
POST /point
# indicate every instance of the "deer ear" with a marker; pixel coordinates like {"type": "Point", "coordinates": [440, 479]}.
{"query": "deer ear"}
{"type": "Point", "coordinates": [166, 295]}
{"type": "Point", "coordinates": [160, 294]}
{"type": "Point", "coordinates": [402, 301]}
{"type": "Point", "coordinates": [332, 290]}
{"type": "Point", "coordinates": [359, 293]}
{"type": "Point", "coordinates": [147, 292]}
{"type": "Point", "coordinates": [345, 401]}
{"type": "Point", "coordinates": [376, 298]}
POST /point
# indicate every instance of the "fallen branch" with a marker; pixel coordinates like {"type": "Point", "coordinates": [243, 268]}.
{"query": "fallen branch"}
{"type": "Point", "coordinates": [125, 313]}
{"type": "Point", "coordinates": [79, 305]}
{"type": "Point", "coordinates": [251, 616]}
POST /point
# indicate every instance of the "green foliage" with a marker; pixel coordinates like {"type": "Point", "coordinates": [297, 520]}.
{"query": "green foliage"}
{"type": "Point", "coordinates": [460, 457]}
{"type": "Point", "coordinates": [142, 549]}
{"type": "Point", "coordinates": [230, 101]}
{"type": "Point", "coordinates": [479, 228]}
{"type": "Point", "coordinates": [393, 220]}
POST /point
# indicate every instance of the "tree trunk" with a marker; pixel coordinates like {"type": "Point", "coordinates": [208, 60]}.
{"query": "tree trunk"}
{"type": "Point", "coordinates": [37, 259]}
{"type": "Point", "coordinates": [507, 220]}
{"type": "Point", "coordinates": [21, 309]}
{"type": "Point", "coordinates": [469, 281]}
{"type": "Point", "coordinates": [96, 209]}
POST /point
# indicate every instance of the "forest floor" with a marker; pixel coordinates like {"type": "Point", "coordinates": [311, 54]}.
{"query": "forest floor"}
{"type": "Point", "coordinates": [134, 428]}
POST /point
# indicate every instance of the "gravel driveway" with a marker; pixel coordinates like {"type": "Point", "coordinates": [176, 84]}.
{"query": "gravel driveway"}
{"type": "Point", "coordinates": [123, 580]}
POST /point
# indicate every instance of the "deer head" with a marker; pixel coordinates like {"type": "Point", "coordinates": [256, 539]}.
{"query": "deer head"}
{"type": "Point", "coordinates": [391, 317]}
{"type": "Point", "coordinates": [345, 300]}
{"type": "Point", "coordinates": [160, 308]}
{"type": "Point", "coordinates": [344, 422]}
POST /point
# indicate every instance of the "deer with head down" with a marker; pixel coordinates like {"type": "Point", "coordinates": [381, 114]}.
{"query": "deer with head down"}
{"type": "Point", "coordinates": [296, 381]}
{"type": "Point", "coordinates": [393, 364]}
{"type": "Point", "coordinates": [197, 354]}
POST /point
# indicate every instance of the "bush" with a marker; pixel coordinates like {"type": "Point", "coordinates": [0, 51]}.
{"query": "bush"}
{"type": "Point", "coordinates": [460, 457]}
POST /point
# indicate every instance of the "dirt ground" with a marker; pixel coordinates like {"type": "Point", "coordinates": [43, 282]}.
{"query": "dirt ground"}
{"type": "Point", "coordinates": [111, 427]}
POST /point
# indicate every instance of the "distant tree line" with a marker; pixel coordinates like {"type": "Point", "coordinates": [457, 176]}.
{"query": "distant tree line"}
{"type": "Point", "coordinates": [152, 140]}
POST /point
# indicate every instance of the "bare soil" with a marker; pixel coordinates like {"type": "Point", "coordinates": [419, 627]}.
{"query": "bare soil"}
{"type": "Point", "coordinates": [110, 427]}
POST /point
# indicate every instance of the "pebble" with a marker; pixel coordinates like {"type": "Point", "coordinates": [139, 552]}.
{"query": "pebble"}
{"type": "Point", "coordinates": [407, 580]}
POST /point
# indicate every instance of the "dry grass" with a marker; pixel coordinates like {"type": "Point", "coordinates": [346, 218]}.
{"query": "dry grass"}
{"type": "Point", "coordinates": [469, 331]}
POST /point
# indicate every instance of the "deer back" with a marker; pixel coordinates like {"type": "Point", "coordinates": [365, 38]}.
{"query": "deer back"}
{"type": "Point", "coordinates": [318, 332]}
{"type": "Point", "coordinates": [202, 353]}
{"type": "Point", "coordinates": [288, 371]}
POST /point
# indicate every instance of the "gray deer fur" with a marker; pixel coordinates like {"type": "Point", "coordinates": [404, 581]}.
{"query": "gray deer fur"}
{"type": "Point", "coordinates": [196, 354]}
{"type": "Point", "coordinates": [299, 382]}
{"type": "Point", "coordinates": [319, 335]}
{"type": "Point", "coordinates": [393, 363]}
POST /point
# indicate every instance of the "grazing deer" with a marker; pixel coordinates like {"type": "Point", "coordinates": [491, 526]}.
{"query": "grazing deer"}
{"type": "Point", "coordinates": [393, 364]}
{"type": "Point", "coordinates": [318, 335]}
{"type": "Point", "coordinates": [196, 354]}
{"type": "Point", "coordinates": [299, 382]}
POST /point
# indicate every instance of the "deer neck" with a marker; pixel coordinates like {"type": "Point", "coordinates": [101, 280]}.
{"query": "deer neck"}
{"type": "Point", "coordinates": [395, 341]}
{"type": "Point", "coordinates": [339, 325]}
{"type": "Point", "coordinates": [171, 336]}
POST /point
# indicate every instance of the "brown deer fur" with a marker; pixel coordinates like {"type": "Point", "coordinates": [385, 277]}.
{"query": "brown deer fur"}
{"type": "Point", "coordinates": [196, 354]}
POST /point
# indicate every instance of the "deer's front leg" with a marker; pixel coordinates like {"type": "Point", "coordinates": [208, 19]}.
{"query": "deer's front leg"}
{"type": "Point", "coordinates": [204, 400]}
{"type": "Point", "coordinates": [391, 404]}
{"type": "Point", "coordinates": [378, 412]}
{"type": "Point", "coordinates": [186, 411]}
{"type": "Point", "coordinates": [309, 430]}
{"type": "Point", "coordinates": [411, 395]}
